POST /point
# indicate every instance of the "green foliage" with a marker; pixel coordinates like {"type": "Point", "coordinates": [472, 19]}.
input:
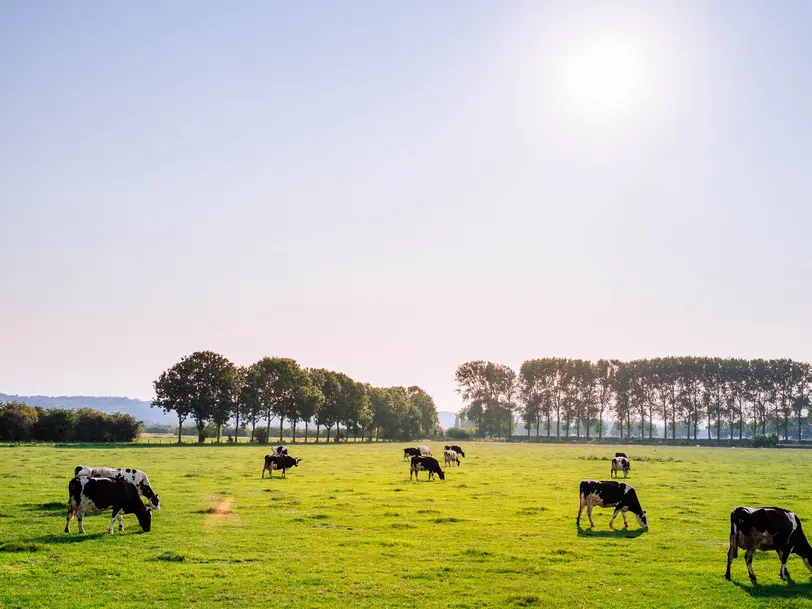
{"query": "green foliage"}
{"type": "Point", "coordinates": [768, 441]}
{"type": "Point", "coordinates": [455, 433]}
{"type": "Point", "coordinates": [20, 422]}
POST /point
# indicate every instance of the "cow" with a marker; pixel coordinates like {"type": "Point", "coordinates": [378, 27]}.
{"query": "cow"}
{"type": "Point", "coordinates": [451, 457]}
{"type": "Point", "coordinates": [618, 464]}
{"type": "Point", "coordinates": [136, 476]}
{"type": "Point", "coordinates": [280, 450]}
{"type": "Point", "coordinates": [425, 451]}
{"type": "Point", "coordinates": [610, 493]}
{"type": "Point", "coordinates": [411, 452]}
{"type": "Point", "coordinates": [429, 464]}
{"type": "Point", "coordinates": [99, 494]}
{"type": "Point", "coordinates": [767, 528]}
{"type": "Point", "coordinates": [456, 449]}
{"type": "Point", "coordinates": [283, 462]}
{"type": "Point", "coordinates": [621, 455]}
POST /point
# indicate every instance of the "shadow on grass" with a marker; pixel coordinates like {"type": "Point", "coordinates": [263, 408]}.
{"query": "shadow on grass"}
{"type": "Point", "coordinates": [64, 538]}
{"type": "Point", "coordinates": [611, 533]}
{"type": "Point", "coordinates": [783, 590]}
{"type": "Point", "coordinates": [53, 506]}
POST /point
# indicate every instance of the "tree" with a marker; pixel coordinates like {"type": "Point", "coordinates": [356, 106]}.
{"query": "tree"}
{"type": "Point", "coordinates": [309, 399]}
{"type": "Point", "coordinates": [196, 386]}
{"type": "Point", "coordinates": [17, 421]}
{"type": "Point", "coordinates": [426, 409]}
{"type": "Point", "coordinates": [279, 379]}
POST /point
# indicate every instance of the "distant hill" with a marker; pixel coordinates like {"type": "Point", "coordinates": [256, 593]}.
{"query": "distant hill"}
{"type": "Point", "coordinates": [446, 418]}
{"type": "Point", "coordinates": [140, 409]}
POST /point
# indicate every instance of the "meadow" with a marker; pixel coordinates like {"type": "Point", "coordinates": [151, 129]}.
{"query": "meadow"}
{"type": "Point", "coordinates": [348, 527]}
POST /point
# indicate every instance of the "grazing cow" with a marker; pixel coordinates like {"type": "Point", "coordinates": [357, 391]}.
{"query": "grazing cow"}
{"type": "Point", "coordinates": [425, 451]}
{"type": "Point", "coordinates": [283, 462]}
{"type": "Point", "coordinates": [429, 464]}
{"type": "Point", "coordinates": [280, 450]}
{"type": "Point", "coordinates": [136, 476]}
{"type": "Point", "coordinates": [99, 494]}
{"type": "Point", "coordinates": [618, 464]}
{"type": "Point", "coordinates": [621, 455]}
{"type": "Point", "coordinates": [610, 493]}
{"type": "Point", "coordinates": [411, 452]}
{"type": "Point", "coordinates": [456, 449]}
{"type": "Point", "coordinates": [767, 528]}
{"type": "Point", "coordinates": [451, 457]}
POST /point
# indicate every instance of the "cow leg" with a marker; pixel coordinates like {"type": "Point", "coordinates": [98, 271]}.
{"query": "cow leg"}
{"type": "Point", "coordinates": [121, 520]}
{"type": "Point", "coordinates": [283, 472]}
{"type": "Point", "coordinates": [263, 473]}
{"type": "Point", "coordinates": [80, 516]}
{"type": "Point", "coordinates": [70, 517]}
{"type": "Point", "coordinates": [784, 555]}
{"type": "Point", "coordinates": [748, 560]}
{"type": "Point", "coordinates": [116, 511]}
{"type": "Point", "coordinates": [580, 511]}
{"type": "Point", "coordinates": [625, 522]}
{"type": "Point", "coordinates": [732, 552]}
{"type": "Point", "coordinates": [612, 519]}
{"type": "Point", "coordinates": [589, 515]}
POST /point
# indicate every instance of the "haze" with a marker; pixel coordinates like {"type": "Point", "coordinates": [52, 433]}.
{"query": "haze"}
{"type": "Point", "coordinates": [390, 190]}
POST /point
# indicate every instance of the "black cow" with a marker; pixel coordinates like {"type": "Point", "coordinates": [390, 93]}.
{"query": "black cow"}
{"type": "Point", "coordinates": [99, 494]}
{"type": "Point", "coordinates": [411, 452]}
{"type": "Point", "coordinates": [456, 449]}
{"type": "Point", "coordinates": [610, 493]}
{"type": "Point", "coordinates": [429, 464]}
{"type": "Point", "coordinates": [280, 450]}
{"type": "Point", "coordinates": [621, 455]}
{"type": "Point", "coordinates": [767, 528]}
{"type": "Point", "coordinates": [620, 464]}
{"type": "Point", "coordinates": [283, 462]}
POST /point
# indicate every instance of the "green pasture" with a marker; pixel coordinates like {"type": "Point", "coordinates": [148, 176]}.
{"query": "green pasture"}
{"type": "Point", "coordinates": [347, 528]}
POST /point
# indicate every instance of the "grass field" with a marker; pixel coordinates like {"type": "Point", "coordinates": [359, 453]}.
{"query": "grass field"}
{"type": "Point", "coordinates": [348, 528]}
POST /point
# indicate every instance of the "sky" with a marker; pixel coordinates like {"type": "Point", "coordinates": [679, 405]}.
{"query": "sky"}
{"type": "Point", "coordinates": [392, 189]}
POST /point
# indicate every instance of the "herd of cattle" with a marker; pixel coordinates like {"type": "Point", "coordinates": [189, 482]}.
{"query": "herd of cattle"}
{"type": "Point", "coordinates": [751, 529]}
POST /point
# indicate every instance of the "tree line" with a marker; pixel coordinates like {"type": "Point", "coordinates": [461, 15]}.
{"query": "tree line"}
{"type": "Point", "coordinates": [20, 422]}
{"type": "Point", "coordinates": [209, 389]}
{"type": "Point", "coordinates": [729, 397]}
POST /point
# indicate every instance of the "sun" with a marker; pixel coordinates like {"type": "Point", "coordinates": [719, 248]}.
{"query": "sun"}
{"type": "Point", "coordinates": [606, 79]}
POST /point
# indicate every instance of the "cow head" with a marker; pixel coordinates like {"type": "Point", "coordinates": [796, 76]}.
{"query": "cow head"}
{"type": "Point", "coordinates": [642, 519]}
{"type": "Point", "coordinates": [441, 473]}
{"type": "Point", "coordinates": [144, 519]}
{"type": "Point", "coordinates": [297, 462]}
{"type": "Point", "coordinates": [155, 502]}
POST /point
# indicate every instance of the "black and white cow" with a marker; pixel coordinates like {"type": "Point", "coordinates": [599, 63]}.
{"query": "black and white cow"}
{"type": "Point", "coordinates": [280, 450]}
{"type": "Point", "coordinates": [767, 528]}
{"type": "Point", "coordinates": [610, 493]}
{"type": "Point", "coordinates": [283, 462]}
{"type": "Point", "coordinates": [99, 494]}
{"type": "Point", "coordinates": [620, 464]}
{"type": "Point", "coordinates": [621, 455]}
{"type": "Point", "coordinates": [450, 457]}
{"type": "Point", "coordinates": [428, 464]}
{"type": "Point", "coordinates": [411, 452]}
{"type": "Point", "coordinates": [425, 451]}
{"type": "Point", "coordinates": [136, 476]}
{"type": "Point", "coordinates": [456, 449]}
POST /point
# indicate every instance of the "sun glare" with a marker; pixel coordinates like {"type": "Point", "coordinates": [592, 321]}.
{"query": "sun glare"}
{"type": "Point", "coordinates": [606, 79]}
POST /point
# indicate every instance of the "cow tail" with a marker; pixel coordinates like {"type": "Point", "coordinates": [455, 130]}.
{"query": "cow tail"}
{"type": "Point", "coordinates": [734, 533]}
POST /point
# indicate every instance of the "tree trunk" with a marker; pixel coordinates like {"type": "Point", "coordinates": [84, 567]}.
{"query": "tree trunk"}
{"type": "Point", "coordinates": [281, 425]}
{"type": "Point", "coordinates": [268, 429]}
{"type": "Point", "coordinates": [201, 432]}
{"type": "Point", "coordinates": [236, 427]}
{"type": "Point", "coordinates": [180, 428]}
{"type": "Point", "coordinates": [219, 427]}
{"type": "Point", "coordinates": [294, 431]}
{"type": "Point", "coordinates": [329, 429]}
{"type": "Point", "coordinates": [253, 428]}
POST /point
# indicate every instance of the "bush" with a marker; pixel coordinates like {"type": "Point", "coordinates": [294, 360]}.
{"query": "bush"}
{"type": "Point", "coordinates": [261, 436]}
{"type": "Point", "coordinates": [768, 441]}
{"type": "Point", "coordinates": [455, 433]}
{"type": "Point", "coordinates": [17, 421]}
{"type": "Point", "coordinates": [56, 425]}
{"type": "Point", "coordinates": [124, 427]}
